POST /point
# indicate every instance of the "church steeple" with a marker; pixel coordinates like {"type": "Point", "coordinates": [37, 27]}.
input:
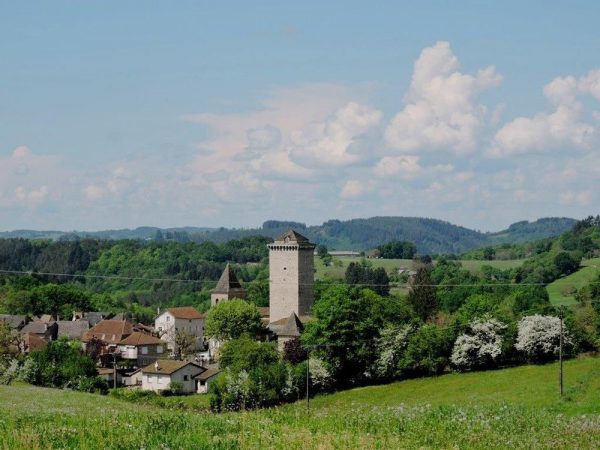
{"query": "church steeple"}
{"type": "Point", "coordinates": [228, 287]}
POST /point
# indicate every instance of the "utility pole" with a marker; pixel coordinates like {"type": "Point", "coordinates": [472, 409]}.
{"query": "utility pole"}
{"type": "Point", "coordinates": [114, 370]}
{"type": "Point", "coordinates": [307, 381]}
{"type": "Point", "coordinates": [560, 354]}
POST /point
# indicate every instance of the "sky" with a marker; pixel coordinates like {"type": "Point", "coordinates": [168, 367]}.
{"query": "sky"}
{"type": "Point", "coordinates": [120, 114]}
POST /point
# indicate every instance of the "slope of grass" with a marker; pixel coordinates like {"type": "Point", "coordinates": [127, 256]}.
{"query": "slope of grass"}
{"type": "Point", "coordinates": [511, 408]}
{"type": "Point", "coordinates": [337, 272]}
{"type": "Point", "coordinates": [562, 291]}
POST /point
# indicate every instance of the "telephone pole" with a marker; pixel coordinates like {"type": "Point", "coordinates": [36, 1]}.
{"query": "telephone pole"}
{"type": "Point", "coordinates": [307, 381]}
{"type": "Point", "coordinates": [560, 354]}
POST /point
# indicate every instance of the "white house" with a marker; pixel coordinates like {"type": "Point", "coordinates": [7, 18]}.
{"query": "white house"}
{"type": "Point", "coordinates": [159, 375]}
{"type": "Point", "coordinates": [204, 380]}
{"type": "Point", "coordinates": [141, 348]}
{"type": "Point", "coordinates": [185, 319]}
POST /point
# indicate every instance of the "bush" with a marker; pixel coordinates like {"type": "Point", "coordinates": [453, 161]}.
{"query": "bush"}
{"type": "Point", "coordinates": [176, 387]}
{"type": "Point", "coordinates": [538, 337]}
{"type": "Point", "coordinates": [479, 348]}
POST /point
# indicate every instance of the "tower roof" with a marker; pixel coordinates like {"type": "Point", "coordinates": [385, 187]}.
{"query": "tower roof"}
{"type": "Point", "coordinates": [227, 282]}
{"type": "Point", "coordinates": [292, 327]}
{"type": "Point", "coordinates": [292, 236]}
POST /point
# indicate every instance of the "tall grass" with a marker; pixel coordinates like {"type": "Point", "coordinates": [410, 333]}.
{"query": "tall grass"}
{"type": "Point", "coordinates": [512, 408]}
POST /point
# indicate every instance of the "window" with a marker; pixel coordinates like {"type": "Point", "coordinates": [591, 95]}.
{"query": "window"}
{"type": "Point", "coordinates": [159, 328]}
{"type": "Point", "coordinates": [159, 349]}
{"type": "Point", "coordinates": [144, 350]}
{"type": "Point", "coordinates": [168, 318]}
{"type": "Point", "coordinates": [185, 378]}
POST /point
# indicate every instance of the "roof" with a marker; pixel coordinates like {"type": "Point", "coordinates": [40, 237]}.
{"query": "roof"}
{"type": "Point", "coordinates": [208, 373]}
{"type": "Point", "coordinates": [168, 366]}
{"type": "Point", "coordinates": [185, 312]}
{"type": "Point", "coordinates": [13, 321]}
{"type": "Point", "coordinates": [228, 282]}
{"type": "Point", "coordinates": [33, 342]}
{"type": "Point", "coordinates": [45, 318]}
{"type": "Point", "coordinates": [94, 317]}
{"type": "Point", "coordinates": [38, 327]}
{"type": "Point", "coordinates": [73, 329]}
{"type": "Point", "coordinates": [292, 327]}
{"type": "Point", "coordinates": [137, 338]}
{"type": "Point", "coordinates": [110, 331]}
{"type": "Point", "coordinates": [292, 236]}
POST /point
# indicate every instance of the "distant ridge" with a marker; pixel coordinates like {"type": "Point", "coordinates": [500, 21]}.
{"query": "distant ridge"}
{"type": "Point", "coordinates": [429, 235]}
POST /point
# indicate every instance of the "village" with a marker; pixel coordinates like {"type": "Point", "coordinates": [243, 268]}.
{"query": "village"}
{"type": "Point", "coordinates": [174, 351]}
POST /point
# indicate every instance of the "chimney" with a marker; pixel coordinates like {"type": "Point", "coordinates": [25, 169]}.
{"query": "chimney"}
{"type": "Point", "coordinates": [156, 366]}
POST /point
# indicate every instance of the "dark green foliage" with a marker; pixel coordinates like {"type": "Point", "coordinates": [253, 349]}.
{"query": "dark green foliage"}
{"type": "Point", "coordinates": [233, 319]}
{"type": "Point", "coordinates": [61, 363]}
{"type": "Point", "coordinates": [397, 250]}
{"type": "Point", "coordinates": [428, 351]}
{"type": "Point", "coordinates": [364, 275]}
{"type": "Point", "coordinates": [246, 354]}
{"type": "Point", "coordinates": [422, 294]}
{"type": "Point", "coordinates": [565, 263]}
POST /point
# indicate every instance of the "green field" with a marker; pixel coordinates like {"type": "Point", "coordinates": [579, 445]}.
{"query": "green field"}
{"type": "Point", "coordinates": [510, 408]}
{"type": "Point", "coordinates": [562, 291]}
{"type": "Point", "coordinates": [337, 272]}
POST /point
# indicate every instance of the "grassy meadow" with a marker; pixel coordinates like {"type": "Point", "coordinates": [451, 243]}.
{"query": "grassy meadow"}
{"type": "Point", "coordinates": [562, 291]}
{"type": "Point", "coordinates": [337, 271]}
{"type": "Point", "coordinates": [510, 408]}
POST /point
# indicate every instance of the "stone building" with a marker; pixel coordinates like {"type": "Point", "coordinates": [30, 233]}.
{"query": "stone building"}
{"type": "Point", "coordinates": [291, 276]}
{"type": "Point", "coordinates": [227, 288]}
{"type": "Point", "coordinates": [184, 319]}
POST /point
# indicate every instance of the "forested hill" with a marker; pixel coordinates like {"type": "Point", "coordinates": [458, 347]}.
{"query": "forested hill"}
{"type": "Point", "coordinates": [429, 235]}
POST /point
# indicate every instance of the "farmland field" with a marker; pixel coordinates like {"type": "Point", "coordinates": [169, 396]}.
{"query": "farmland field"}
{"type": "Point", "coordinates": [510, 408]}
{"type": "Point", "coordinates": [562, 291]}
{"type": "Point", "coordinates": [338, 268]}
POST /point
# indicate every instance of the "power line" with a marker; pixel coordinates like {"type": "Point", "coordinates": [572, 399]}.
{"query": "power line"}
{"type": "Point", "coordinates": [183, 280]}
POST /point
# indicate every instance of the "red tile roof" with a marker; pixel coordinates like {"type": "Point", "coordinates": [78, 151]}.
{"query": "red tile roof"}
{"type": "Point", "coordinates": [109, 331]}
{"type": "Point", "coordinates": [185, 312]}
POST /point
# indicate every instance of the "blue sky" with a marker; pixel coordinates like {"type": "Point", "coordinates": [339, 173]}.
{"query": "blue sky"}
{"type": "Point", "coordinates": [120, 114]}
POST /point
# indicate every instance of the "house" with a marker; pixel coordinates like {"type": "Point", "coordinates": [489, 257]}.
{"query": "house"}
{"type": "Point", "coordinates": [93, 317]}
{"type": "Point", "coordinates": [159, 375]}
{"type": "Point", "coordinates": [184, 319]}
{"type": "Point", "coordinates": [108, 375]}
{"type": "Point", "coordinates": [31, 342]}
{"type": "Point", "coordinates": [227, 288]}
{"type": "Point", "coordinates": [44, 318]}
{"type": "Point", "coordinates": [73, 329]}
{"type": "Point", "coordinates": [110, 332]}
{"type": "Point", "coordinates": [132, 378]}
{"type": "Point", "coordinates": [287, 329]}
{"type": "Point", "coordinates": [44, 330]}
{"type": "Point", "coordinates": [204, 380]}
{"type": "Point", "coordinates": [14, 322]}
{"type": "Point", "coordinates": [141, 348]}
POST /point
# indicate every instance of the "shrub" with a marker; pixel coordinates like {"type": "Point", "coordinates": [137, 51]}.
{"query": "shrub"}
{"type": "Point", "coordinates": [539, 336]}
{"type": "Point", "coordinates": [176, 387]}
{"type": "Point", "coordinates": [390, 347]}
{"type": "Point", "coordinates": [479, 348]}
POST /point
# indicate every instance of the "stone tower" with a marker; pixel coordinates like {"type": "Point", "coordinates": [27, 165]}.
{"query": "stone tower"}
{"type": "Point", "coordinates": [291, 276]}
{"type": "Point", "coordinates": [227, 288]}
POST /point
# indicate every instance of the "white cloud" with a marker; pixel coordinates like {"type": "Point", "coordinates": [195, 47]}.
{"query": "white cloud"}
{"type": "Point", "coordinates": [353, 189]}
{"type": "Point", "coordinates": [330, 143]}
{"type": "Point", "coordinates": [406, 167]}
{"type": "Point", "coordinates": [582, 198]}
{"type": "Point", "coordinates": [440, 111]}
{"type": "Point", "coordinates": [31, 196]}
{"type": "Point", "coordinates": [545, 131]}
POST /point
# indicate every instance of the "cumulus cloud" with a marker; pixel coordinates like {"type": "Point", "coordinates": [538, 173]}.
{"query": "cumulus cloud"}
{"type": "Point", "coordinates": [406, 167]}
{"type": "Point", "coordinates": [546, 131]}
{"type": "Point", "coordinates": [440, 111]}
{"type": "Point", "coordinates": [353, 189]}
{"type": "Point", "coordinates": [330, 143]}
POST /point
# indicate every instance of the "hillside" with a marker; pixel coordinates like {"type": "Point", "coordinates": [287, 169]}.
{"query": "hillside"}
{"type": "Point", "coordinates": [429, 235]}
{"type": "Point", "coordinates": [515, 408]}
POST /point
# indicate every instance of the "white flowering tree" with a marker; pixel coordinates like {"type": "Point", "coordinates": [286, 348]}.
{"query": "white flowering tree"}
{"type": "Point", "coordinates": [390, 347]}
{"type": "Point", "coordinates": [539, 337]}
{"type": "Point", "coordinates": [480, 347]}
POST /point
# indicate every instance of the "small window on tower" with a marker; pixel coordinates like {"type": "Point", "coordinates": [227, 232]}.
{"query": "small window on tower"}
{"type": "Point", "coordinates": [285, 268]}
